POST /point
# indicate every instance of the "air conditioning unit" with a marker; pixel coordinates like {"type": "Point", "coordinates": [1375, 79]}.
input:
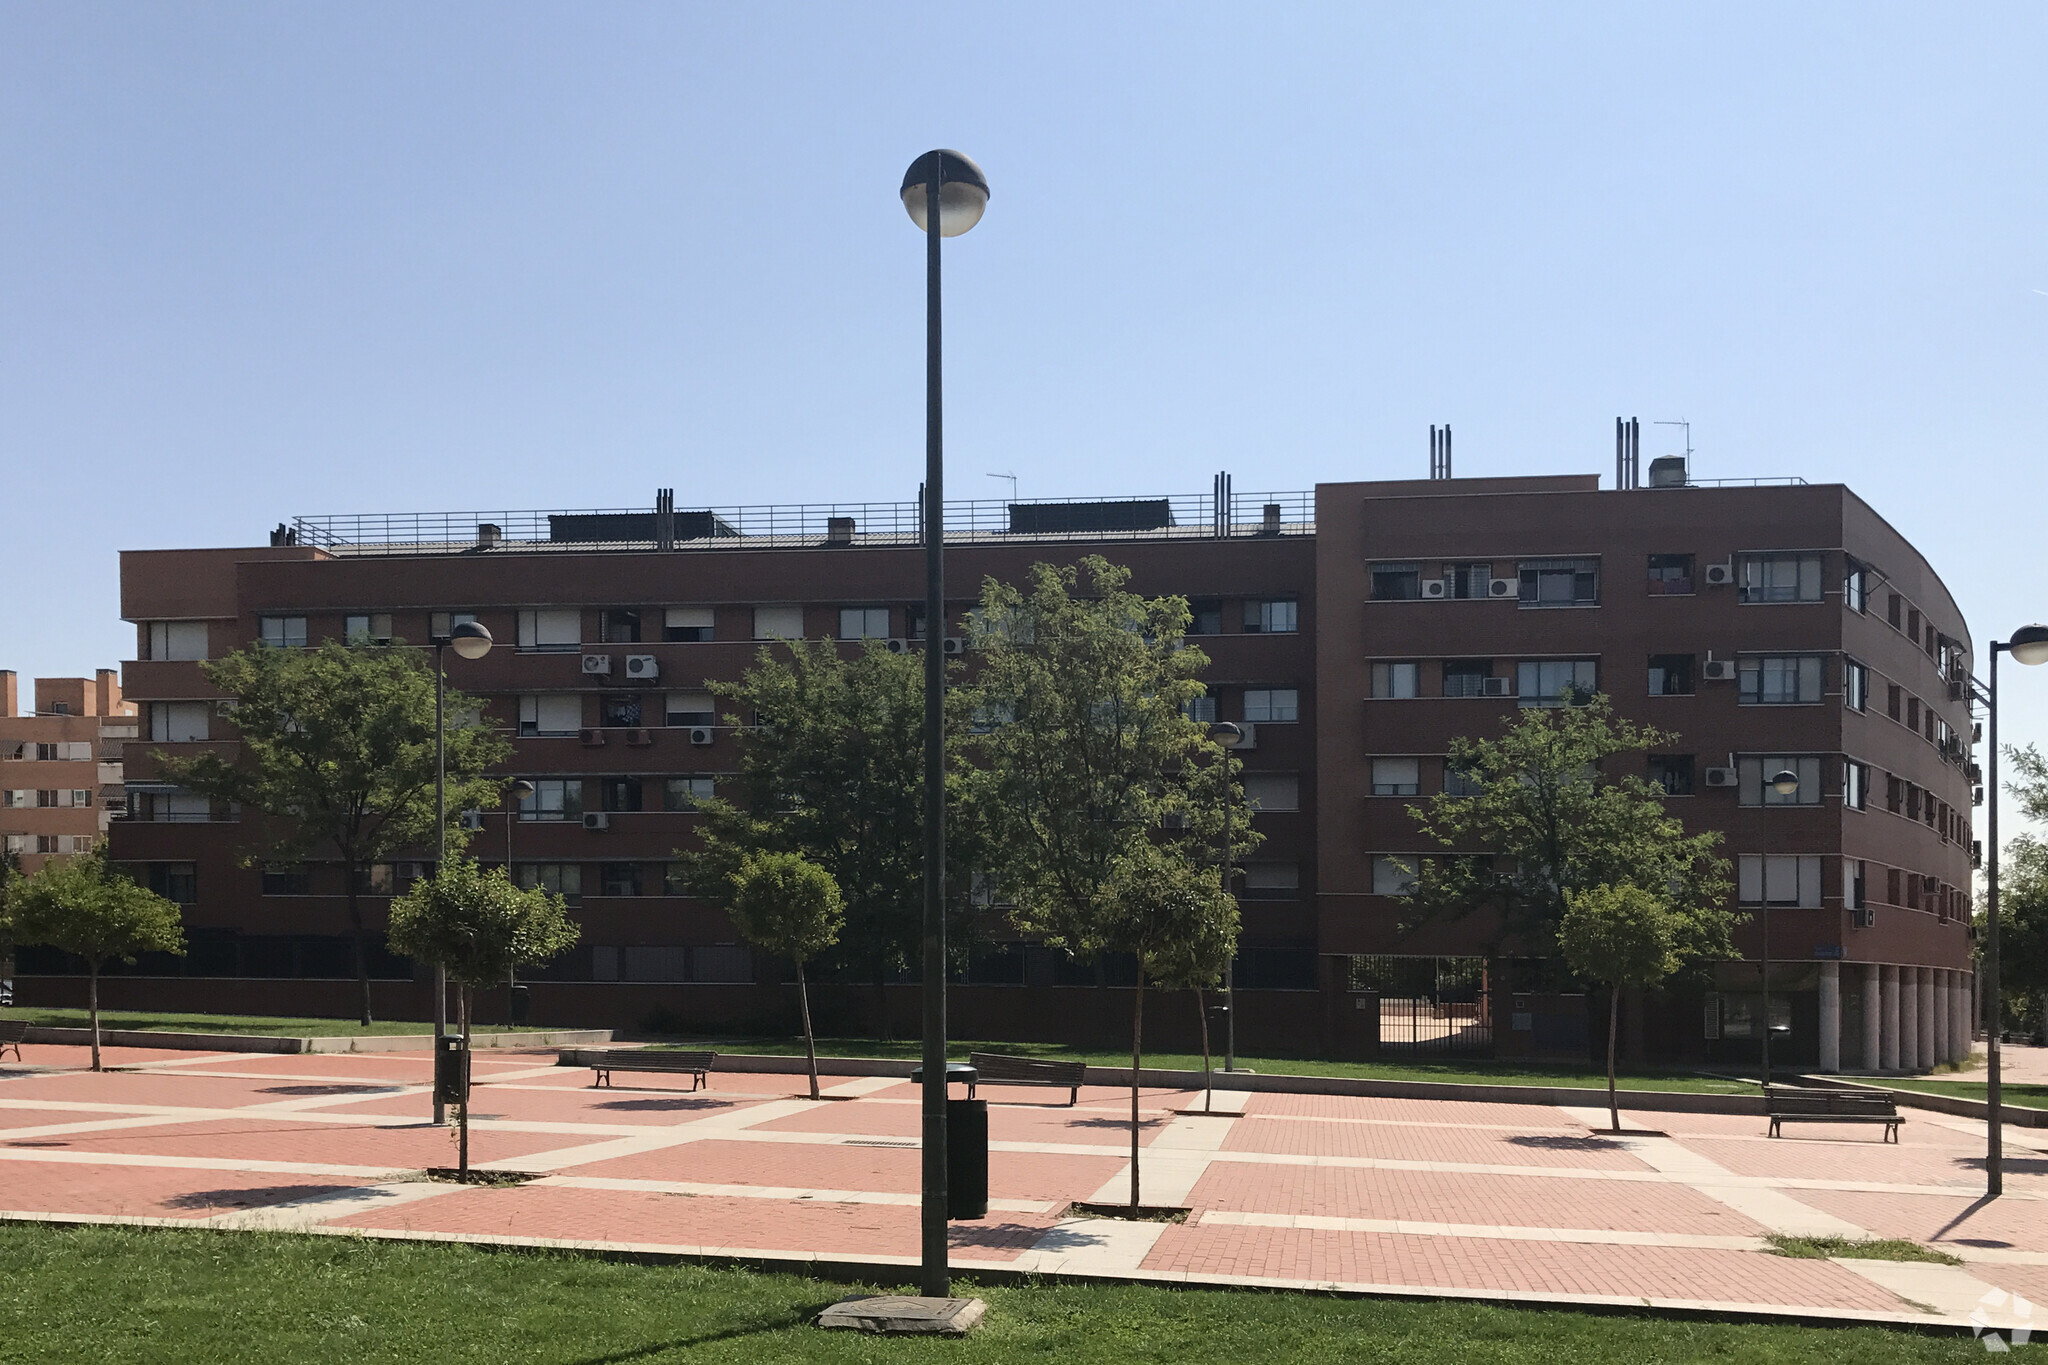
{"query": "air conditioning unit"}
{"type": "Point", "coordinates": [1720, 575]}
{"type": "Point", "coordinates": [597, 819]}
{"type": "Point", "coordinates": [1864, 917]}
{"type": "Point", "coordinates": [597, 663]}
{"type": "Point", "coordinates": [1504, 588]}
{"type": "Point", "coordinates": [1435, 588]}
{"type": "Point", "coordinates": [472, 819]}
{"type": "Point", "coordinates": [1958, 690]}
{"type": "Point", "coordinates": [640, 739]}
{"type": "Point", "coordinates": [1718, 670]}
{"type": "Point", "coordinates": [592, 737]}
{"type": "Point", "coordinates": [1497, 687]}
{"type": "Point", "coordinates": [643, 666]}
{"type": "Point", "coordinates": [956, 644]}
{"type": "Point", "coordinates": [1248, 737]}
{"type": "Point", "coordinates": [899, 646]}
{"type": "Point", "coordinates": [1721, 777]}
{"type": "Point", "coordinates": [700, 735]}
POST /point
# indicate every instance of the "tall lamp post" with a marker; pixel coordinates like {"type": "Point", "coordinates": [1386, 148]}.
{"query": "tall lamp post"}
{"type": "Point", "coordinates": [945, 194]}
{"type": "Point", "coordinates": [1785, 783]}
{"type": "Point", "coordinates": [1229, 736]}
{"type": "Point", "coordinates": [470, 641]}
{"type": "Point", "coordinates": [2028, 645]}
{"type": "Point", "coordinates": [520, 790]}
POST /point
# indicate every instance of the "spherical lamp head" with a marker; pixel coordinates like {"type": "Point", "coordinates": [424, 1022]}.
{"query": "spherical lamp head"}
{"type": "Point", "coordinates": [470, 639]}
{"type": "Point", "coordinates": [1226, 734]}
{"type": "Point", "coordinates": [2029, 645]}
{"type": "Point", "coordinates": [521, 789]}
{"type": "Point", "coordinates": [963, 191]}
{"type": "Point", "coordinates": [1785, 782]}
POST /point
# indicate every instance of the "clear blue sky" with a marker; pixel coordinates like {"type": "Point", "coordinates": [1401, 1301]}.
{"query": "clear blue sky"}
{"type": "Point", "coordinates": [260, 260]}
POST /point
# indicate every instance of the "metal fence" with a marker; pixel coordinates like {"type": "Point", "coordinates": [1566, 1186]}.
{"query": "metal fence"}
{"type": "Point", "coordinates": [794, 525]}
{"type": "Point", "coordinates": [1432, 1006]}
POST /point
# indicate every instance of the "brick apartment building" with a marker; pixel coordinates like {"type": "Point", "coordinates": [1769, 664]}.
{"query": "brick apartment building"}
{"type": "Point", "coordinates": [1352, 631]}
{"type": "Point", "coordinates": [60, 764]}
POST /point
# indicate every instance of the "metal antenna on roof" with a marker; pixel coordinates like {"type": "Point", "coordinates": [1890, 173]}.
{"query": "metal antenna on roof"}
{"type": "Point", "coordinates": [1013, 483]}
{"type": "Point", "coordinates": [1681, 422]}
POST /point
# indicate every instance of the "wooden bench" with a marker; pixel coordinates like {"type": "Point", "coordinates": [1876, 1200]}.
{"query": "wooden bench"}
{"type": "Point", "coordinates": [994, 1069]}
{"type": "Point", "coordinates": [1795, 1104]}
{"type": "Point", "coordinates": [694, 1064]}
{"type": "Point", "coordinates": [10, 1037]}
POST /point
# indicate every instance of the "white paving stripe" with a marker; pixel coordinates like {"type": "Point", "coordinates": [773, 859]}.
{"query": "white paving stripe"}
{"type": "Point", "coordinates": [791, 1193]}
{"type": "Point", "coordinates": [1411, 1227]}
{"type": "Point", "coordinates": [1091, 1246]}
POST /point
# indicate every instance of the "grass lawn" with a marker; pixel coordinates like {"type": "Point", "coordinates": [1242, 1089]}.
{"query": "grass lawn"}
{"type": "Point", "coordinates": [1478, 1071]}
{"type": "Point", "coordinates": [2025, 1096]}
{"type": "Point", "coordinates": [117, 1294]}
{"type": "Point", "coordinates": [222, 1023]}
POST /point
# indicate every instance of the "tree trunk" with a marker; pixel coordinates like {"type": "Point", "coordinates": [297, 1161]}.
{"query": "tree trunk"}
{"type": "Point", "coordinates": [462, 1108]}
{"type": "Point", "coordinates": [1137, 1054]}
{"type": "Point", "coordinates": [92, 1005]}
{"type": "Point", "coordinates": [1613, 1022]}
{"type": "Point", "coordinates": [1202, 1012]}
{"type": "Point", "coordinates": [349, 869]}
{"type": "Point", "coordinates": [803, 1003]}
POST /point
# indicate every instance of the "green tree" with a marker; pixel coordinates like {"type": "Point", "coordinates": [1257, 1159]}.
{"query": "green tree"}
{"type": "Point", "coordinates": [1626, 937]}
{"type": "Point", "coordinates": [83, 906]}
{"type": "Point", "coordinates": [1190, 937]}
{"type": "Point", "coordinates": [2023, 932]}
{"type": "Point", "coordinates": [1550, 818]}
{"type": "Point", "coordinates": [479, 926]}
{"type": "Point", "coordinates": [1102, 798]}
{"type": "Point", "coordinates": [785, 904]}
{"type": "Point", "coordinates": [831, 766]}
{"type": "Point", "coordinates": [337, 750]}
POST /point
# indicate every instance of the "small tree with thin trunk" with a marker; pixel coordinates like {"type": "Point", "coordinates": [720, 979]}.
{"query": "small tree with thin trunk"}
{"type": "Point", "coordinates": [1627, 937]}
{"type": "Point", "coordinates": [1196, 962]}
{"type": "Point", "coordinates": [83, 906]}
{"type": "Point", "coordinates": [787, 905]}
{"type": "Point", "coordinates": [478, 925]}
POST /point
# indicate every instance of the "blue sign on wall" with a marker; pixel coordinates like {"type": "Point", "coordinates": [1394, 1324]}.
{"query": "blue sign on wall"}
{"type": "Point", "coordinates": [1828, 950]}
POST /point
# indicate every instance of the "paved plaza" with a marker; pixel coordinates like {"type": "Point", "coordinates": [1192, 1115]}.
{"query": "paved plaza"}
{"type": "Point", "coordinates": [1497, 1201]}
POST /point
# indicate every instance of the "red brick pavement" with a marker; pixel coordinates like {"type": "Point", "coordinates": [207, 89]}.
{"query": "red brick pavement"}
{"type": "Point", "coordinates": [1870, 1160]}
{"type": "Point", "coordinates": [1011, 1175]}
{"type": "Point", "coordinates": [14, 1119]}
{"type": "Point", "coordinates": [1409, 1142]}
{"type": "Point", "coordinates": [1917, 1131]}
{"type": "Point", "coordinates": [584, 1215]}
{"type": "Point", "coordinates": [1959, 1218]}
{"type": "Point", "coordinates": [172, 1088]}
{"type": "Point", "coordinates": [1528, 1201]}
{"type": "Point", "coordinates": [1006, 1123]}
{"type": "Point", "coordinates": [548, 1105]}
{"type": "Point", "coordinates": [80, 1055]}
{"type": "Point", "coordinates": [2030, 1282]}
{"type": "Point", "coordinates": [145, 1191]}
{"type": "Point", "coordinates": [394, 1147]}
{"type": "Point", "coordinates": [1531, 1118]}
{"type": "Point", "coordinates": [1489, 1264]}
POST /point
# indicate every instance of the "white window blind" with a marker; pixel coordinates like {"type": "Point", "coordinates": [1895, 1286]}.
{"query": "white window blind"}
{"type": "Point", "coordinates": [550, 713]}
{"type": "Point", "coordinates": [1272, 876]}
{"type": "Point", "coordinates": [692, 708]}
{"type": "Point", "coordinates": [1396, 776]}
{"type": "Point", "coordinates": [778, 623]}
{"type": "Point", "coordinates": [179, 722]}
{"type": "Point", "coordinates": [558, 628]}
{"type": "Point", "coordinates": [1272, 791]}
{"type": "Point", "coordinates": [177, 641]}
{"type": "Point", "coordinates": [1788, 879]}
{"type": "Point", "coordinates": [1393, 876]}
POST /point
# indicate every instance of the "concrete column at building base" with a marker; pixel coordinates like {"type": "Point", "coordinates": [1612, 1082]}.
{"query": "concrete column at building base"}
{"type": "Point", "coordinates": [1872, 1056]}
{"type": "Point", "coordinates": [1929, 1057]}
{"type": "Point", "coordinates": [1944, 1015]}
{"type": "Point", "coordinates": [1830, 1016]}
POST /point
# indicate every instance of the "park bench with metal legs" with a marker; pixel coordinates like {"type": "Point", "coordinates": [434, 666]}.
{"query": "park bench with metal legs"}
{"type": "Point", "coordinates": [1796, 1104]}
{"type": "Point", "coordinates": [692, 1064]}
{"type": "Point", "coordinates": [994, 1069]}
{"type": "Point", "coordinates": [11, 1036]}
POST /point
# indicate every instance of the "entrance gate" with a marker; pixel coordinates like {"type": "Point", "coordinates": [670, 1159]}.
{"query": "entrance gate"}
{"type": "Point", "coordinates": [1429, 1006]}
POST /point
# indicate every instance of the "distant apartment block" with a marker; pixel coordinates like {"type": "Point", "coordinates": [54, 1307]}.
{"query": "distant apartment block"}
{"type": "Point", "coordinates": [61, 764]}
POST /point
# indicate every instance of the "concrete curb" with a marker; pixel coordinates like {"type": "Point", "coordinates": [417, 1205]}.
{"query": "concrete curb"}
{"type": "Point", "coordinates": [2019, 1116]}
{"type": "Point", "coordinates": [1663, 1101]}
{"type": "Point", "coordinates": [260, 1042]}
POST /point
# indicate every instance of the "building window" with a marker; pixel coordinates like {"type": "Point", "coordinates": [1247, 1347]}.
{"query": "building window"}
{"type": "Point", "coordinates": [1786, 879]}
{"type": "Point", "coordinates": [1853, 886]}
{"type": "Point", "coordinates": [863, 623]}
{"type": "Point", "coordinates": [778, 623]}
{"type": "Point", "coordinates": [563, 879]}
{"type": "Point", "coordinates": [1670, 575]}
{"type": "Point", "coordinates": [619, 793]}
{"type": "Point", "coordinates": [369, 628]}
{"type": "Point", "coordinates": [1272, 791]}
{"type": "Point", "coordinates": [1555, 682]}
{"type": "Point", "coordinates": [281, 632]}
{"type": "Point", "coordinates": [621, 709]}
{"type": "Point", "coordinates": [1395, 680]}
{"type": "Point", "coordinates": [1393, 876]}
{"type": "Point", "coordinates": [441, 625]}
{"type": "Point", "coordinates": [550, 713]}
{"type": "Point", "coordinates": [1912, 713]}
{"type": "Point", "coordinates": [1671, 675]}
{"type": "Point", "coordinates": [1855, 685]}
{"type": "Point", "coordinates": [1755, 773]}
{"type": "Point", "coordinates": [176, 641]}
{"type": "Point", "coordinates": [1560, 582]}
{"type": "Point", "coordinates": [1396, 776]}
{"type": "Point", "coordinates": [1272, 616]}
{"type": "Point", "coordinates": [1205, 616]}
{"type": "Point", "coordinates": [687, 625]}
{"type": "Point", "coordinates": [179, 722]}
{"type": "Point", "coordinates": [81, 798]}
{"type": "Point", "coordinates": [1201, 709]}
{"type": "Point", "coordinates": [691, 708]}
{"type": "Point", "coordinates": [175, 882]}
{"type": "Point", "coordinates": [1855, 784]}
{"type": "Point", "coordinates": [1781, 578]}
{"type": "Point", "coordinates": [1780, 680]}
{"type": "Point", "coordinates": [1467, 677]}
{"type": "Point", "coordinates": [1913, 623]}
{"type": "Point", "coordinates": [554, 798]}
{"type": "Point", "coordinates": [286, 880]}
{"type": "Point", "coordinates": [1272, 881]}
{"type": "Point", "coordinates": [554, 630]}
{"type": "Point", "coordinates": [1672, 772]}
{"type": "Point", "coordinates": [1271, 704]}
{"type": "Point", "coordinates": [619, 626]}
{"type": "Point", "coordinates": [1469, 580]}
{"type": "Point", "coordinates": [1856, 588]}
{"type": "Point", "coordinates": [168, 806]}
{"type": "Point", "coordinates": [1461, 781]}
{"type": "Point", "coordinates": [684, 793]}
{"type": "Point", "coordinates": [1397, 582]}
{"type": "Point", "coordinates": [619, 879]}
{"type": "Point", "coordinates": [1894, 609]}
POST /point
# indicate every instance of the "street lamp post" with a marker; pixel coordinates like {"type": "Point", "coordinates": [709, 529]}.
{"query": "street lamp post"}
{"type": "Point", "coordinates": [2028, 645]}
{"type": "Point", "coordinates": [1785, 783]}
{"type": "Point", "coordinates": [519, 791]}
{"type": "Point", "coordinates": [471, 641]}
{"type": "Point", "coordinates": [1229, 736]}
{"type": "Point", "coordinates": [945, 194]}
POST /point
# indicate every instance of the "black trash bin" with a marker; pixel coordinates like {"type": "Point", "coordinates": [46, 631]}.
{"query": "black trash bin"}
{"type": "Point", "coordinates": [966, 1159]}
{"type": "Point", "coordinates": [451, 1071]}
{"type": "Point", "coordinates": [522, 1005]}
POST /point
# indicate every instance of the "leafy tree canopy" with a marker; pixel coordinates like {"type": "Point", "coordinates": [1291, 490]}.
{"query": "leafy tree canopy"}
{"type": "Point", "coordinates": [478, 925]}
{"type": "Point", "coordinates": [787, 905]}
{"type": "Point", "coordinates": [84, 905]}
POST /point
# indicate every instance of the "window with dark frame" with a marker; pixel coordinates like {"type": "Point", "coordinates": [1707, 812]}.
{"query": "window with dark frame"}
{"type": "Point", "coordinates": [620, 793]}
{"type": "Point", "coordinates": [1397, 582]}
{"type": "Point", "coordinates": [1672, 772]}
{"type": "Point", "coordinates": [619, 879]}
{"type": "Point", "coordinates": [1559, 582]}
{"type": "Point", "coordinates": [620, 626]}
{"type": "Point", "coordinates": [1469, 580]}
{"type": "Point", "coordinates": [1670, 575]}
{"type": "Point", "coordinates": [1466, 677]}
{"type": "Point", "coordinates": [1205, 616]}
{"type": "Point", "coordinates": [1671, 675]}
